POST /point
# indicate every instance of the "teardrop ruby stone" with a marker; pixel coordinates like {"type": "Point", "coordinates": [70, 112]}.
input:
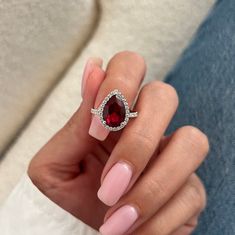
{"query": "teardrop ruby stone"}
{"type": "Point", "coordinates": [114, 112]}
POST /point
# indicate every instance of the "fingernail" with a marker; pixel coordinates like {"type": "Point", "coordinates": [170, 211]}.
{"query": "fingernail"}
{"type": "Point", "coordinates": [120, 222]}
{"type": "Point", "coordinates": [97, 130]}
{"type": "Point", "coordinates": [91, 63]}
{"type": "Point", "coordinates": [115, 183]}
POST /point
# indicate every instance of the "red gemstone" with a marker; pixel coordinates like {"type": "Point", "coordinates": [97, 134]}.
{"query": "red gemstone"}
{"type": "Point", "coordinates": [114, 112]}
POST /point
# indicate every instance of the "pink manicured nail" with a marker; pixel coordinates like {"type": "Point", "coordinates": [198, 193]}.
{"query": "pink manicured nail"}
{"type": "Point", "coordinates": [88, 69]}
{"type": "Point", "coordinates": [97, 130]}
{"type": "Point", "coordinates": [120, 222]}
{"type": "Point", "coordinates": [115, 183]}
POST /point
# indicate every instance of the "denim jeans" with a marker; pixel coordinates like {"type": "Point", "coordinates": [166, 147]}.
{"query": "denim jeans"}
{"type": "Point", "coordinates": [204, 78]}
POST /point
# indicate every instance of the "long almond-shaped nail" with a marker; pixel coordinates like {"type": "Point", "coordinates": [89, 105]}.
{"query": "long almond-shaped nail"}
{"type": "Point", "coordinates": [115, 183]}
{"type": "Point", "coordinates": [90, 64]}
{"type": "Point", "coordinates": [120, 221]}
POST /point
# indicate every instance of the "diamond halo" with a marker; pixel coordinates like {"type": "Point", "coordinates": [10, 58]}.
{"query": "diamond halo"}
{"type": "Point", "coordinates": [100, 111]}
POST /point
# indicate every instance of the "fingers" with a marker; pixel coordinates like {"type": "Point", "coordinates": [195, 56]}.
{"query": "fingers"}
{"type": "Point", "coordinates": [72, 142]}
{"type": "Point", "coordinates": [125, 72]}
{"type": "Point", "coordinates": [156, 105]}
{"type": "Point", "coordinates": [182, 155]}
{"type": "Point", "coordinates": [181, 209]}
{"type": "Point", "coordinates": [179, 215]}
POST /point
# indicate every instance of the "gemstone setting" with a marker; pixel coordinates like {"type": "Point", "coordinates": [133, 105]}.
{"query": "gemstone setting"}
{"type": "Point", "coordinates": [114, 112]}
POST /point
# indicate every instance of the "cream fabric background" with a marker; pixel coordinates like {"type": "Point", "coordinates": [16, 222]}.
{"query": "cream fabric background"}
{"type": "Point", "coordinates": [38, 214]}
{"type": "Point", "coordinates": [38, 40]}
{"type": "Point", "coordinates": [159, 30]}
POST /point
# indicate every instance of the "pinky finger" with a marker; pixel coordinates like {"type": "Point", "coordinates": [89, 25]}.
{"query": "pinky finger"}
{"type": "Point", "coordinates": [179, 213]}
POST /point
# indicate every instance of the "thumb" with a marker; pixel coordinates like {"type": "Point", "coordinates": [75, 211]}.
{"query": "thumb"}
{"type": "Point", "coordinates": [72, 143]}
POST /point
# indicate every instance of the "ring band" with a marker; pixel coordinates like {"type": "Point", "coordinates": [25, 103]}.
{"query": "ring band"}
{"type": "Point", "coordinates": [130, 115]}
{"type": "Point", "coordinates": [114, 112]}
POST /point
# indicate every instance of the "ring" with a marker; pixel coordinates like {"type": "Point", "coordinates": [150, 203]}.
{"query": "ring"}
{"type": "Point", "coordinates": [114, 112]}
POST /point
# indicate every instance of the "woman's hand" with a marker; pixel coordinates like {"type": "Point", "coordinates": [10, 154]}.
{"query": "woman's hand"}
{"type": "Point", "coordinates": [147, 179]}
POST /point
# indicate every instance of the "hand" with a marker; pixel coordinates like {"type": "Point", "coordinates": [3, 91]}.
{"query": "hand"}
{"type": "Point", "coordinates": [147, 178]}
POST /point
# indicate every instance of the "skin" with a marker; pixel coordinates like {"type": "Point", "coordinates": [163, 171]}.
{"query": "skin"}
{"type": "Point", "coordinates": [69, 168]}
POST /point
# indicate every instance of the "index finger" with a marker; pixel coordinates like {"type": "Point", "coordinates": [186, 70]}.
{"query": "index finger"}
{"type": "Point", "coordinates": [125, 72]}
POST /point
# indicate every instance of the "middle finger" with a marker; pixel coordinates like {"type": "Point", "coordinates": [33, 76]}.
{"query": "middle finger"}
{"type": "Point", "coordinates": [157, 102]}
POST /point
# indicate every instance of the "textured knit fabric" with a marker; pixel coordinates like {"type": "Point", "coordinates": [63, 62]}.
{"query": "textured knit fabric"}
{"type": "Point", "coordinates": [28, 212]}
{"type": "Point", "coordinates": [205, 81]}
{"type": "Point", "coordinates": [38, 41]}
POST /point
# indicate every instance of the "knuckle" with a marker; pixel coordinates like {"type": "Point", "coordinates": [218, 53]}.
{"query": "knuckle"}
{"type": "Point", "coordinates": [152, 188]}
{"type": "Point", "coordinates": [124, 80]}
{"type": "Point", "coordinates": [146, 200]}
{"type": "Point", "coordinates": [159, 227]}
{"type": "Point", "coordinates": [201, 191]}
{"type": "Point", "coordinates": [163, 91]}
{"type": "Point", "coordinates": [142, 140]}
{"type": "Point", "coordinates": [195, 137]}
{"type": "Point", "coordinates": [196, 195]}
{"type": "Point", "coordinates": [162, 227]}
{"type": "Point", "coordinates": [127, 68]}
{"type": "Point", "coordinates": [133, 56]}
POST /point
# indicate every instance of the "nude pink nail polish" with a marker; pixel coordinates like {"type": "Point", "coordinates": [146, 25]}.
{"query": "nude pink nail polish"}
{"type": "Point", "coordinates": [120, 221]}
{"type": "Point", "coordinates": [97, 130]}
{"type": "Point", "coordinates": [115, 183]}
{"type": "Point", "coordinates": [87, 71]}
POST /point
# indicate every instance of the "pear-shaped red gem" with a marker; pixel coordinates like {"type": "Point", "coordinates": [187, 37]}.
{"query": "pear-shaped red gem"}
{"type": "Point", "coordinates": [114, 112]}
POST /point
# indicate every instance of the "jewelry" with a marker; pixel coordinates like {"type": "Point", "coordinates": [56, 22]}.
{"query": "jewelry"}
{"type": "Point", "coordinates": [114, 112]}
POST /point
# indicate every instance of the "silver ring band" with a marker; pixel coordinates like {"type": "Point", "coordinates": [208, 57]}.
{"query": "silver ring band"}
{"type": "Point", "coordinates": [130, 115]}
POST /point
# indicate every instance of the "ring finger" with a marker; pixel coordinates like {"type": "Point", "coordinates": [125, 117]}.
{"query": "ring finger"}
{"type": "Point", "coordinates": [183, 154]}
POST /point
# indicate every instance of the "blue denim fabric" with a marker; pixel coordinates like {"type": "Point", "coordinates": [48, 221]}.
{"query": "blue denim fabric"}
{"type": "Point", "coordinates": [205, 80]}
